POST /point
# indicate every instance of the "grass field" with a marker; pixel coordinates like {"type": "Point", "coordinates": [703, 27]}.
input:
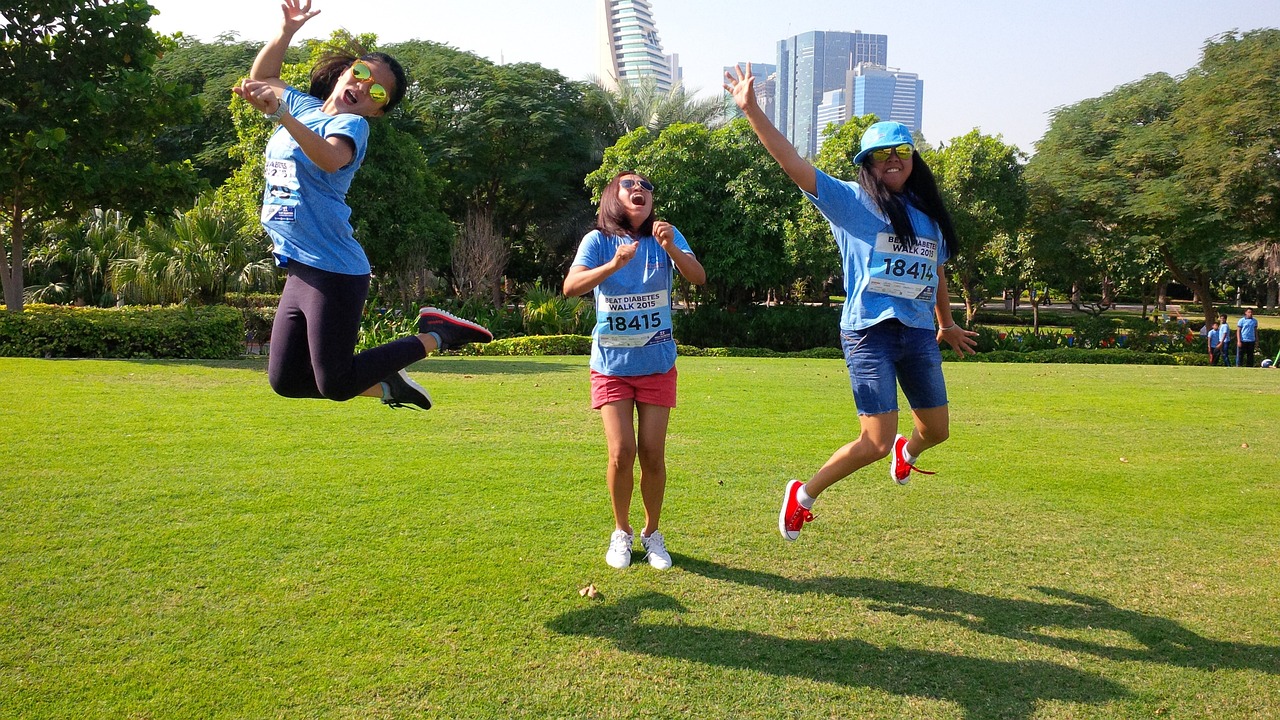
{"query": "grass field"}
{"type": "Point", "coordinates": [177, 542]}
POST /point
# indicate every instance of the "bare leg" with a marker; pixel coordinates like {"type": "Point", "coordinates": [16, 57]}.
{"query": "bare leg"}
{"type": "Point", "coordinates": [653, 461]}
{"type": "Point", "coordinates": [620, 435]}
{"type": "Point", "coordinates": [932, 427]}
{"type": "Point", "coordinates": [874, 443]}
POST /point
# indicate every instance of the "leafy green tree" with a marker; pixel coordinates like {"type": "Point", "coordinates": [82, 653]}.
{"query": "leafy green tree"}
{"type": "Point", "coordinates": [513, 140]}
{"type": "Point", "coordinates": [73, 264]}
{"type": "Point", "coordinates": [1111, 170]}
{"type": "Point", "coordinates": [1230, 120]}
{"type": "Point", "coordinates": [80, 110]}
{"type": "Point", "coordinates": [722, 191]}
{"type": "Point", "coordinates": [209, 70]}
{"type": "Point", "coordinates": [981, 181]}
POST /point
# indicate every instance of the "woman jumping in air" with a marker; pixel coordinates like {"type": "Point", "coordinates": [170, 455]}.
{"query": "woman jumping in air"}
{"type": "Point", "coordinates": [894, 234]}
{"type": "Point", "coordinates": [310, 162]}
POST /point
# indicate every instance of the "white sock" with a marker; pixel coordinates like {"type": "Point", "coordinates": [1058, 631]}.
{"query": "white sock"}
{"type": "Point", "coordinates": [907, 454]}
{"type": "Point", "coordinates": [803, 498]}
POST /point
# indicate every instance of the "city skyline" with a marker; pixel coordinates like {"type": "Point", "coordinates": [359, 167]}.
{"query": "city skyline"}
{"type": "Point", "coordinates": [998, 65]}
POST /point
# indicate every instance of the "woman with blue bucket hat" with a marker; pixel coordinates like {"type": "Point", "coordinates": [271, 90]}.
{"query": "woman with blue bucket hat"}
{"type": "Point", "coordinates": [894, 234]}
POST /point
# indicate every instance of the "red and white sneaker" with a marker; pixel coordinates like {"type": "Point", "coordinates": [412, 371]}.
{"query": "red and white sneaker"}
{"type": "Point", "coordinates": [451, 331]}
{"type": "Point", "coordinates": [899, 468]}
{"type": "Point", "coordinates": [793, 515]}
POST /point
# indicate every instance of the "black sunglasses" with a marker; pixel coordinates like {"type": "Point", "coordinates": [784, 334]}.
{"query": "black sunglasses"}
{"type": "Point", "coordinates": [629, 183]}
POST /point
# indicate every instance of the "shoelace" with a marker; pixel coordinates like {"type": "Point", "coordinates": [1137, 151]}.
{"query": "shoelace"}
{"type": "Point", "coordinates": [801, 516]}
{"type": "Point", "coordinates": [912, 468]}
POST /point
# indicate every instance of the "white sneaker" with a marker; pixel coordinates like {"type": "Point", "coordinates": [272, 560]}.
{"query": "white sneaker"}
{"type": "Point", "coordinates": [619, 554]}
{"type": "Point", "coordinates": [655, 548]}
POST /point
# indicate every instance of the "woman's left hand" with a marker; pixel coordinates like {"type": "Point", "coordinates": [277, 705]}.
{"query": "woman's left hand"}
{"type": "Point", "coordinates": [964, 342]}
{"type": "Point", "coordinates": [665, 234]}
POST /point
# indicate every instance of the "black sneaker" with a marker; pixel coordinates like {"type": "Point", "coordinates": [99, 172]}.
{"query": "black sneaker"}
{"type": "Point", "coordinates": [453, 331]}
{"type": "Point", "coordinates": [400, 391]}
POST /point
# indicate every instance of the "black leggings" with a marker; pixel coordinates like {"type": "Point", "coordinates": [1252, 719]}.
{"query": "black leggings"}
{"type": "Point", "coordinates": [313, 339]}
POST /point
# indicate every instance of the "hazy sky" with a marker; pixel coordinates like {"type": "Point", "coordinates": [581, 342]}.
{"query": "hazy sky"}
{"type": "Point", "coordinates": [999, 65]}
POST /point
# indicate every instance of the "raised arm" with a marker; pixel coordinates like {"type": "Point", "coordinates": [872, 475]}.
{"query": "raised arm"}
{"type": "Point", "coordinates": [266, 66]}
{"type": "Point", "coordinates": [742, 86]}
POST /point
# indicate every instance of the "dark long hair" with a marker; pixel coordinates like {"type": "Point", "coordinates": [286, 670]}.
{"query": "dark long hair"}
{"type": "Point", "coordinates": [325, 74]}
{"type": "Point", "coordinates": [921, 190]}
{"type": "Point", "coordinates": [612, 218]}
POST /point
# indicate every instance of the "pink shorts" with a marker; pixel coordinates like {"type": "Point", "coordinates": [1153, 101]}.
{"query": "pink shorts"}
{"type": "Point", "coordinates": [659, 389]}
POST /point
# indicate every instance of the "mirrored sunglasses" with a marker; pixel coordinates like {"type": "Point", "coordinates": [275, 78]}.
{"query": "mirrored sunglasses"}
{"type": "Point", "coordinates": [362, 72]}
{"type": "Point", "coordinates": [903, 151]}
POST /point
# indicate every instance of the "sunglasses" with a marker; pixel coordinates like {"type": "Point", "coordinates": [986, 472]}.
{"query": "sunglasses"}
{"type": "Point", "coordinates": [629, 183]}
{"type": "Point", "coordinates": [902, 151]}
{"type": "Point", "coordinates": [361, 72]}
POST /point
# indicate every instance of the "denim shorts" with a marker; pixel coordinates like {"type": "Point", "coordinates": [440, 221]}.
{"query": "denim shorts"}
{"type": "Point", "coordinates": [889, 354]}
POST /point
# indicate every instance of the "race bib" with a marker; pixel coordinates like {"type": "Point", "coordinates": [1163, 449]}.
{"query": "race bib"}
{"type": "Point", "coordinates": [630, 321]}
{"type": "Point", "coordinates": [281, 172]}
{"type": "Point", "coordinates": [900, 270]}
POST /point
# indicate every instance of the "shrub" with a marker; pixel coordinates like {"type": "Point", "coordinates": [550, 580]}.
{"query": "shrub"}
{"type": "Point", "coordinates": [206, 333]}
{"type": "Point", "coordinates": [783, 328]}
{"type": "Point", "coordinates": [1069, 355]}
{"type": "Point", "coordinates": [533, 345]}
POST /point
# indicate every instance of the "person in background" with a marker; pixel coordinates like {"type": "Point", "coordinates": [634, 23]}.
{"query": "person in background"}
{"type": "Point", "coordinates": [1246, 339]}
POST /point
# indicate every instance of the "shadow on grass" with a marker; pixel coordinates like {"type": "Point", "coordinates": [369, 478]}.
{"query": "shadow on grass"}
{"type": "Point", "coordinates": [1153, 639]}
{"type": "Point", "coordinates": [984, 688]}
{"type": "Point", "coordinates": [496, 366]}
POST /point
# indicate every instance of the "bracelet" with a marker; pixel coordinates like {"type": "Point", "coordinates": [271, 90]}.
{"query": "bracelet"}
{"type": "Point", "coordinates": [947, 327]}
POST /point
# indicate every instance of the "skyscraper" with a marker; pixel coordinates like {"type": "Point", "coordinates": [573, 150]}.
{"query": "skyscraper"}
{"type": "Point", "coordinates": [766, 87]}
{"type": "Point", "coordinates": [812, 64]}
{"type": "Point", "coordinates": [630, 49]}
{"type": "Point", "coordinates": [888, 93]}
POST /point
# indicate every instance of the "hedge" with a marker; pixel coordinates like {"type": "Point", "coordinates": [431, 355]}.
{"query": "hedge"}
{"type": "Point", "coordinates": [206, 333]}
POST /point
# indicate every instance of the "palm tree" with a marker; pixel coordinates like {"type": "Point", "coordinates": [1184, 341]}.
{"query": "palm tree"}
{"type": "Point", "coordinates": [197, 257]}
{"type": "Point", "coordinates": [644, 105]}
{"type": "Point", "coordinates": [75, 258]}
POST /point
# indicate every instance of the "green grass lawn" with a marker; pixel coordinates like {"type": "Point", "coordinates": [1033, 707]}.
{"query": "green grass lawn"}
{"type": "Point", "coordinates": [178, 542]}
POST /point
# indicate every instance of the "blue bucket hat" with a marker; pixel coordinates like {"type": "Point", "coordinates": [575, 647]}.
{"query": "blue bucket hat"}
{"type": "Point", "coordinates": [883, 135]}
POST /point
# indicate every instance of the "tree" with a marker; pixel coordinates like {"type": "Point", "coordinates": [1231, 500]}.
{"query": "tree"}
{"type": "Point", "coordinates": [80, 110]}
{"type": "Point", "coordinates": [643, 105]}
{"type": "Point", "coordinates": [981, 181]}
{"type": "Point", "coordinates": [723, 192]}
{"type": "Point", "coordinates": [1230, 119]}
{"type": "Point", "coordinates": [513, 140]}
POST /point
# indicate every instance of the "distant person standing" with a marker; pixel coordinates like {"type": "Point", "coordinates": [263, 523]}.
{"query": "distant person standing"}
{"type": "Point", "coordinates": [1224, 338]}
{"type": "Point", "coordinates": [1246, 339]}
{"type": "Point", "coordinates": [1214, 339]}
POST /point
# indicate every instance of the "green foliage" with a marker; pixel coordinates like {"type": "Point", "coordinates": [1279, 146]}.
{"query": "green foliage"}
{"type": "Point", "coordinates": [548, 312]}
{"type": "Point", "coordinates": [533, 345]}
{"type": "Point", "coordinates": [1077, 356]}
{"type": "Point", "coordinates": [722, 191]}
{"type": "Point", "coordinates": [81, 119]}
{"type": "Point", "coordinates": [782, 328]}
{"type": "Point", "coordinates": [131, 332]}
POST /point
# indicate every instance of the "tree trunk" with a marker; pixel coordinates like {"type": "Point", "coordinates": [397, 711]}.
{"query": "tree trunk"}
{"type": "Point", "coordinates": [1162, 294]}
{"type": "Point", "coordinates": [1201, 291]}
{"type": "Point", "coordinates": [11, 274]}
{"type": "Point", "coordinates": [1273, 294]}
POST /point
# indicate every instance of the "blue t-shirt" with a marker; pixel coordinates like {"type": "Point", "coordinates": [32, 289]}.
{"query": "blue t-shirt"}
{"type": "Point", "coordinates": [304, 208]}
{"type": "Point", "coordinates": [632, 335]}
{"type": "Point", "coordinates": [883, 276]}
{"type": "Point", "coordinates": [1224, 334]}
{"type": "Point", "coordinates": [1248, 329]}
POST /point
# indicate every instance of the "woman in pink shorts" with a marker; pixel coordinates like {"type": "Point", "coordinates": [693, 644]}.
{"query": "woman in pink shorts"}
{"type": "Point", "coordinates": [629, 261]}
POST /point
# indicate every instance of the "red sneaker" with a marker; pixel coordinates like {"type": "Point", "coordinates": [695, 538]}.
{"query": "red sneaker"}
{"type": "Point", "coordinates": [899, 468]}
{"type": "Point", "coordinates": [793, 515]}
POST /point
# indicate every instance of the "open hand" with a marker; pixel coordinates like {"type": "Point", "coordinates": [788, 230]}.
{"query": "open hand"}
{"type": "Point", "coordinates": [964, 342]}
{"type": "Point", "coordinates": [296, 14]}
{"type": "Point", "coordinates": [742, 86]}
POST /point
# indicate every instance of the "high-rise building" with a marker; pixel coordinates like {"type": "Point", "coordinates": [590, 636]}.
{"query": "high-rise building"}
{"type": "Point", "coordinates": [630, 49]}
{"type": "Point", "coordinates": [833, 110]}
{"type": "Point", "coordinates": [888, 93]}
{"type": "Point", "coordinates": [812, 64]}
